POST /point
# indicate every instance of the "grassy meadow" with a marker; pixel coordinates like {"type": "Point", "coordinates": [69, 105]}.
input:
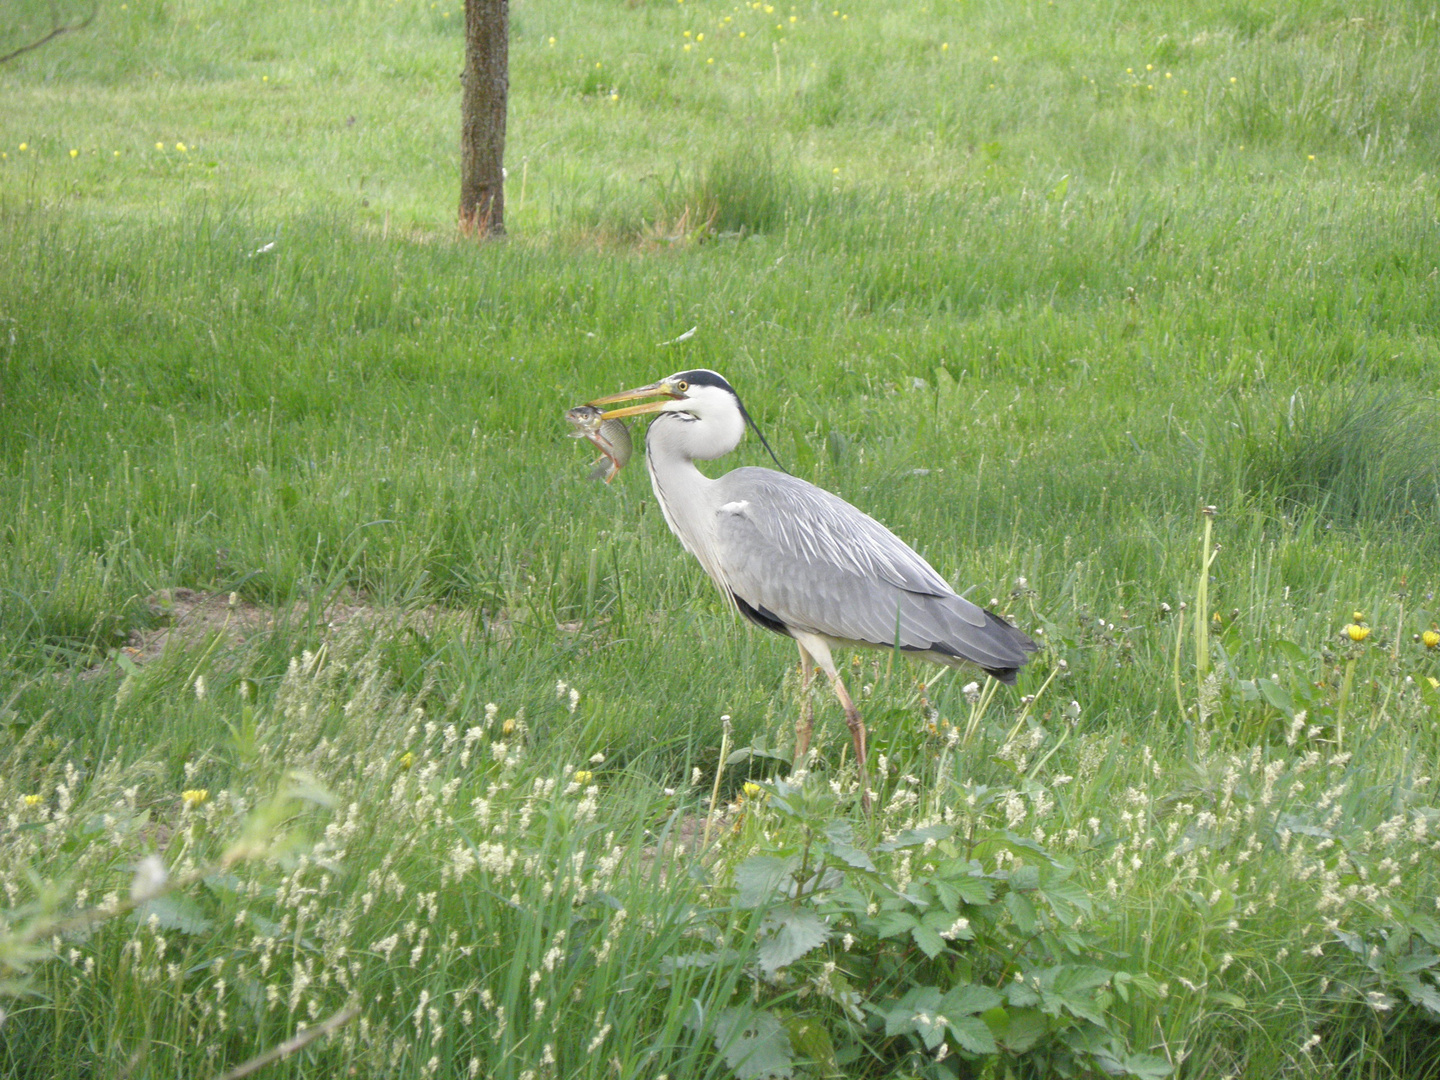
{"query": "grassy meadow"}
{"type": "Point", "coordinates": [342, 720]}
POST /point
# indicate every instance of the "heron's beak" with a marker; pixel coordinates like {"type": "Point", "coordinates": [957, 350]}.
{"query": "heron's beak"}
{"type": "Point", "coordinates": [659, 389]}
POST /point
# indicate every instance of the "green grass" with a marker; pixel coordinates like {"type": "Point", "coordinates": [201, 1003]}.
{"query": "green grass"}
{"type": "Point", "coordinates": [1032, 283]}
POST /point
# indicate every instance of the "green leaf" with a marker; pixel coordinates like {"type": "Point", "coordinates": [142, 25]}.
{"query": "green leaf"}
{"type": "Point", "coordinates": [789, 932]}
{"type": "Point", "coordinates": [901, 1017]}
{"type": "Point", "coordinates": [971, 1034]}
{"type": "Point", "coordinates": [1025, 878]}
{"type": "Point", "coordinates": [1019, 1030]}
{"type": "Point", "coordinates": [811, 1040]}
{"type": "Point", "coordinates": [947, 894]}
{"type": "Point", "coordinates": [894, 923]}
{"type": "Point", "coordinates": [754, 1043]}
{"type": "Point", "coordinates": [969, 998]}
{"type": "Point", "coordinates": [1277, 696]}
{"type": "Point", "coordinates": [841, 836]}
{"type": "Point", "coordinates": [917, 837]}
{"type": "Point", "coordinates": [1144, 1066]}
{"type": "Point", "coordinates": [1292, 652]}
{"type": "Point", "coordinates": [1022, 911]}
{"type": "Point", "coordinates": [174, 911]}
{"type": "Point", "coordinates": [929, 940]}
{"type": "Point", "coordinates": [761, 879]}
{"type": "Point", "coordinates": [973, 888]}
{"type": "Point", "coordinates": [1021, 993]}
{"type": "Point", "coordinates": [1066, 898]}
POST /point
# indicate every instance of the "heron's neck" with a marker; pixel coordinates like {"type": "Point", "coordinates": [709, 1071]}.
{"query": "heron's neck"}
{"type": "Point", "coordinates": [681, 489]}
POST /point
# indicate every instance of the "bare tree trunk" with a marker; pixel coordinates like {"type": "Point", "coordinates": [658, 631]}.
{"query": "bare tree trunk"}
{"type": "Point", "coordinates": [486, 88]}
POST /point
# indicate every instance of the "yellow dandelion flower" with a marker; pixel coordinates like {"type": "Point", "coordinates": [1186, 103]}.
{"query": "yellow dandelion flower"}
{"type": "Point", "coordinates": [994, 59]}
{"type": "Point", "coordinates": [407, 759]}
{"type": "Point", "coordinates": [1434, 682]}
{"type": "Point", "coordinates": [74, 153]}
{"type": "Point", "coordinates": [581, 776]}
{"type": "Point", "coordinates": [752, 790]}
{"type": "Point", "coordinates": [1233, 80]}
{"type": "Point", "coordinates": [34, 800]}
{"type": "Point", "coordinates": [709, 60]}
{"type": "Point", "coordinates": [1357, 616]}
{"type": "Point", "coordinates": [508, 727]}
{"type": "Point", "coordinates": [1357, 632]}
{"type": "Point", "coordinates": [193, 797]}
{"type": "Point", "coordinates": [24, 147]}
{"type": "Point", "coordinates": [159, 146]}
{"type": "Point", "coordinates": [686, 46]}
{"type": "Point", "coordinates": [552, 42]}
{"type": "Point", "coordinates": [1430, 639]}
{"type": "Point", "coordinates": [615, 96]}
{"type": "Point", "coordinates": [699, 37]}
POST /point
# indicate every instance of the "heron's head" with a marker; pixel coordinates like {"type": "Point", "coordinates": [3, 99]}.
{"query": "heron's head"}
{"type": "Point", "coordinates": [700, 393]}
{"type": "Point", "coordinates": [697, 395]}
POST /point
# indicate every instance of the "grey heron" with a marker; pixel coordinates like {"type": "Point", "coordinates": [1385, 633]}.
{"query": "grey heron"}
{"type": "Point", "coordinates": [795, 559]}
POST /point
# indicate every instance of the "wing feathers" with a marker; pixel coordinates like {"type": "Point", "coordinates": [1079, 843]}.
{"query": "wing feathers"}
{"type": "Point", "coordinates": [811, 561]}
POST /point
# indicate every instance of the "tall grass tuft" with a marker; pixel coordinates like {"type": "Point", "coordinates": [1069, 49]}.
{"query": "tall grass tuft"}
{"type": "Point", "coordinates": [1357, 454]}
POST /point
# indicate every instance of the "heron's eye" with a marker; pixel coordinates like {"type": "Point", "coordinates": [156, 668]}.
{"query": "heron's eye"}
{"type": "Point", "coordinates": [682, 386]}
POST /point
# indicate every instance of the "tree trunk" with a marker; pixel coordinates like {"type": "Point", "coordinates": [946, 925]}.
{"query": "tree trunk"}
{"type": "Point", "coordinates": [485, 89]}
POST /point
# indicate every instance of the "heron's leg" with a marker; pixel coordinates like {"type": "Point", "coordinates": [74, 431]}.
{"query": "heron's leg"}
{"type": "Point", "coordinates": [857, 726]}
{"type": "Point", "coordinates": [807, 708]}
{"type": "Point", "coordinates": [818, 648]}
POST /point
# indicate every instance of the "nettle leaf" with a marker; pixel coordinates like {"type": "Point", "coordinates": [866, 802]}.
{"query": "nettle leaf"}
{"type": "Point", "coordinates": [755, 1044]}
{"type": "Point", "coordinates": [1420, 993]}
{"type": "Point", "coordinates": [1416, 962]}
{"type": "Point", "coordinates": [1019, 1030]}
{"type": "Point", "coordinates": [968, 999]}
{"type": "Point", "coordinates": [947, 894]}
{"type": "Point", "coordinates": [929, 940]}
{"type": "Point", "coordinates": [918, 1012]}
{"type": "Point", "coordinates": [1143, 1066]}
{"type": "Point", "coordinates": [1022, 993]}
{"type": "Point", "coordinates": [1071, 989]}
{"type": "Point", "coordinates": [1025, 878]}
{"type": "Point", "coordinates": [973, 888]}
{"type": "Point", "coordinates": [789, 933]}
{"type": "Point", "coordinates": [1067, 899]}
{"type": "Point", "coordinates": [971, 1035]}
{"type": "Point", "coordinates": [812, 1041]}
{"type": "Point", "coordinates": [894, 923]}
{"type": "Point", "coordinates": [1022, 911]}
{"type": "Point", "coordinates": [763, 878]}
{"type": "Point", "coordinates": [850, 855]}
{"type": "Point", "coordinates": [841, 835]}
